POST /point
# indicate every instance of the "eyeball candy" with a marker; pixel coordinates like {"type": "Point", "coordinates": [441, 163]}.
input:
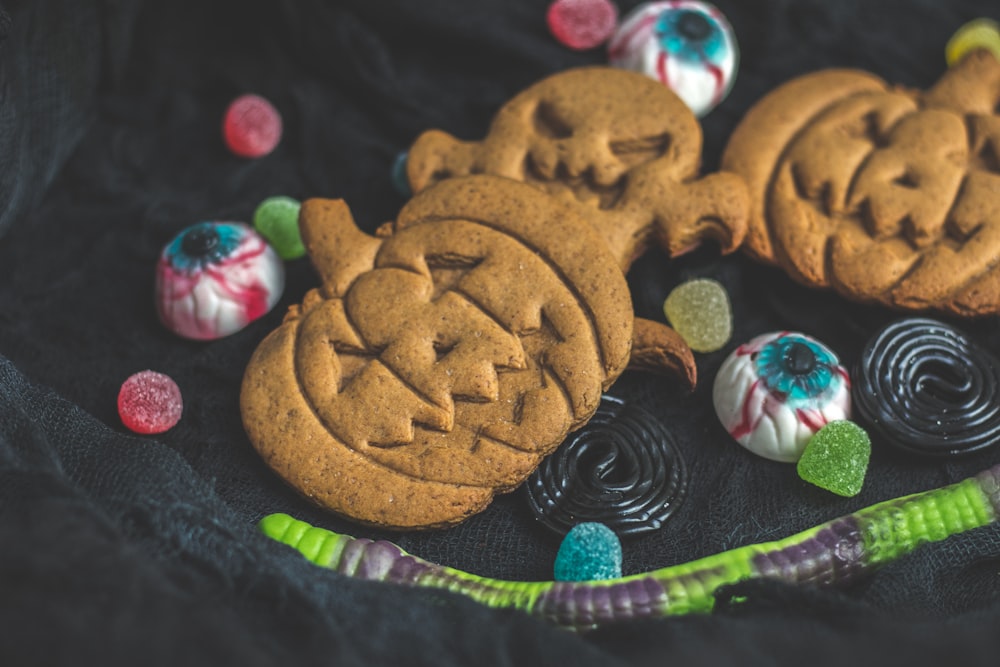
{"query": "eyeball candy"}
{"type": "Point", "coordinates": [251, 127]}
{"type": "Point", "coordinates": [214, 278]}
{"type": "Point", "coordinates": [773, 393]}
{"type": "Point", "coordinates": [150, 402]}
{"type": "Point", "coordinates": [582, 24]}
{"type": "Point", "coordinates": [687, 46]}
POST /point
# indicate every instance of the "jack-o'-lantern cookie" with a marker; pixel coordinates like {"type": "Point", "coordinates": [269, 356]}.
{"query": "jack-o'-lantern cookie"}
{"type": "Point", "coordinates": [620, 146]}
{"type": "Point", "coordinates": [886, 195]}
{"type": "Point", "coordinates": [440, 361]}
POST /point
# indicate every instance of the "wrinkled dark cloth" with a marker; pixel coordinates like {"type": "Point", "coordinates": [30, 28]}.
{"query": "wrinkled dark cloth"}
{"type": "Point", "coordinates": [56, 56]}
{"type": "Point", "coordinates": [118, 550]}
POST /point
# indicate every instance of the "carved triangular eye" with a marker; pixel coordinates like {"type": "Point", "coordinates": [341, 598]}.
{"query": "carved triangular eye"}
{"type": "Point", "coordinates": [442, 349]}
{"type": "Point", "coordinates": [906, 180]}
{"type": "Point", "coordinates": [989, 158]}
{"type": "Point", "coordinates": [549, 124]}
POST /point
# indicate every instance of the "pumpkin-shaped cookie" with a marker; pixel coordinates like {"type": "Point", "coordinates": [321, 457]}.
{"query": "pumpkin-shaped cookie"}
{"type": "Point", "coordinates": [886, 195]}
{"type": "Point", "coordinates": [437, 365]}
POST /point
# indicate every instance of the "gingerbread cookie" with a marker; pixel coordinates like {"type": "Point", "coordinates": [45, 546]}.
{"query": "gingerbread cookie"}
{"type": "Point", "coordinates": [438, 365]}
{"type": "Point", "coordinates": [884, 194]}
{"type": "Point", "coordinates": [620, 146]}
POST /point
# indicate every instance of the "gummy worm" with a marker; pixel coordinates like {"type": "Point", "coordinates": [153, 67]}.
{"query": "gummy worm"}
{"type": "Point", "coordinates": [833, 553]}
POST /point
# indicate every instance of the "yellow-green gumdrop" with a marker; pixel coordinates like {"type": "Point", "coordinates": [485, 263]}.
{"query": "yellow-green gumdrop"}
{"type": "Point", "coordinates": [699, 311]}
{"type": "Point", "coordinates": [977, 34]}
{"type": "Point", "coordinates": [836, 458]}
{"type": "Point", "coordinates": [277, 220]}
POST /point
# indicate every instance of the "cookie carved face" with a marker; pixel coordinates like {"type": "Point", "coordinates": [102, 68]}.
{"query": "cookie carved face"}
{"type": "Point", "coordinates": [437, 366]}
{"type": "Point", "coordinates": [587, 141]}
{"type": "Point", "coordinates": [622, 146]}
{"type": "Point", "coordinates": [886, 195]}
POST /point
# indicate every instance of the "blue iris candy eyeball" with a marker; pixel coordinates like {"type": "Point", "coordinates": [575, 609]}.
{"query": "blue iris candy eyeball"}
{"type": "Point", "coordinates": [773, 393]}
{"type": "Point", "coordinates": [214, 278]}
{"type": "Point", "coordinates": [687, 46]}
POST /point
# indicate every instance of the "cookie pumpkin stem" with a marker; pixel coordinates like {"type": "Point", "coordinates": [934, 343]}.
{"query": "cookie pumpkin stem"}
{"type": "Point", "coordinates": [837, 552]}
{"type": "Point", "coordinates": [972, 86]}
{"type": "Point", "coordinates": [656, 348]}
{"type": "Point", "coordinates": [338, 249]}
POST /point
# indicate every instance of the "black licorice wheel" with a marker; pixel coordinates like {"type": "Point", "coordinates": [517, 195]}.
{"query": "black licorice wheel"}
{"type": "Point", "coordinates": [928, 389]}
{"type": "Point", "coordinates": [622, 469]}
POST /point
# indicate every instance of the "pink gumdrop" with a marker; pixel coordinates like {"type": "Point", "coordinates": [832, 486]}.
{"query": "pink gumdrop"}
{"type": "Point", "coordinates": [582, 24]}
{"type": "Point", "coordinates": [150, 402]}
{"type": "Point", "coordinates": [252, 126]}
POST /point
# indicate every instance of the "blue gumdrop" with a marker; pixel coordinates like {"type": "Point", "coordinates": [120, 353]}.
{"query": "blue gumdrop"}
{"type": "Point", "coordinates": [399, 180]}
{"type": "Point", "coordinates": [590, 551]}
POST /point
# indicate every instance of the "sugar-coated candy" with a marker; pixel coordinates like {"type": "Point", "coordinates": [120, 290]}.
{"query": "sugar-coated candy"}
{"type": "Point", "coordinates": [252, 126]}
{"type": "Point", "coordinates": [978, 34]}
{"type": "Point", "coordinates": [836, 458]}
{"type": "Point", "coordinates": [699, 311]}
{"type": "Point", "coordinates": [150, 402]}
{"type": "Point", "coordinates": [687, 46]}
{"type": "Point", "coordinates": [214, 278]}
{"type": "Point", "coordinates": [589, 552]}
{"type": "Point", "coordinates": [773, 393]}
{"type": "Point", "coordinates": [277, 219]}
{"type": "Point", "coordinates": [582, 24]}
{"type": "Point", "coordinates": [927, 388]}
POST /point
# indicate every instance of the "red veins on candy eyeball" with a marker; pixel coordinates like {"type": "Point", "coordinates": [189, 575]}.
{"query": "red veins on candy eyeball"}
{"type": "Point", "coordinates": [582, 24]}
{"type": "Point", "coordinates": [150, 402]}
{"type": "Point", "coordinates": [252, 126]}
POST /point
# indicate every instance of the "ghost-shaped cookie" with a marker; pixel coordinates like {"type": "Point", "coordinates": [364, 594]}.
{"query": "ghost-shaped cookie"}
{"type": "Point", "coordinates": [621, 147]}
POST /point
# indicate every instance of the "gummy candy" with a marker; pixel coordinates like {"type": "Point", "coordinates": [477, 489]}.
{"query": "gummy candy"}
{"type": "Point", "coordinates": [590, 551]}
{"type": "Point", "coordinates": [398, 175]}
{"type": "Point", "coordinates": [277, 219]}
{"type": "Point", "coordinates": [773, 393]}
{"type": "Point", "coordinates": [928, 388]}
{"type": "Point", "coordinates": [686, 45]}
{"type": "Point", "coordinates": [214, 278]}
{"type": "Point", "coordinates": [699, 311]}
{"type": "Point", "coordinates": [150, 402]}
{"type": "Point", "coordinates": [252, 126]}
{"type": "Point", "coordinates": [582, 24]}
{"type": "Point", "coordinates": [977, 34]}
{"type": "Point", "coordinates": [623, 468]}
{"type": "Point", "coordinates": [836, 458]}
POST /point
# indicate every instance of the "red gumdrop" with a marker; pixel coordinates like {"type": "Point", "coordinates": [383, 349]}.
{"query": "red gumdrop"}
{"type": "Point", "coordinates": [150, 402]}
{"type": "Point", "coordinates": [252, 126]}
{"type": "Point", "coordinates": [582, 24]}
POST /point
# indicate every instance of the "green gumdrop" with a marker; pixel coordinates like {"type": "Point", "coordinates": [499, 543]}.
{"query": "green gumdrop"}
{"type": "Point", "coordinates": [700, 313]}
{"type": "Point", "coordinates": [590, 551]}
{"type": "Point", "coordinates": [836, 458]}
{"type": "Point", "coordinates": [277, 220]}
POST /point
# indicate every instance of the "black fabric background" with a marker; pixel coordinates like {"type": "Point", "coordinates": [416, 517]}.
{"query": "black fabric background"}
{"type": "Point", "coordinates": [120, 550]}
